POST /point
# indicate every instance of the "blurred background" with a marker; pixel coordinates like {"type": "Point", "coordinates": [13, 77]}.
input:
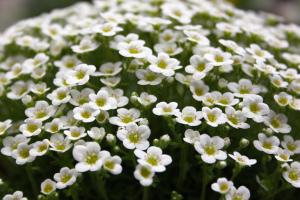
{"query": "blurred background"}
{"type": "Point", "coordinates": [14, 10]}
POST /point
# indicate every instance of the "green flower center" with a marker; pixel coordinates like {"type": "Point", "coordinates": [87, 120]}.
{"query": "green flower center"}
{"type": "Point", "coordinates": [91, 158]}
{"type": "Point", "coordinates": [32, 127]}
{"type": "Point", "coordinates": [101, 102]}
{"type": "Point", "coordinates": [145, 172]}
{"type": "Point", "coordinates": [162, 64]}
{"type": "Point", "coordinates": [210, 149]}
{"type": "Point", "coordinates": [109, 164]}
{"type": "Point", "coordinates": [267, 145]}
{"type": "Point", "coordinates": [134, 137]}
{"type": "Point", "coordinates": [152, 160]}
{"type": "Point", "coordinates": [65, 178]}
{"type": "Point", "coordinates": [254, 108]}
{"type": "Point", "coordinates": [293, 175]}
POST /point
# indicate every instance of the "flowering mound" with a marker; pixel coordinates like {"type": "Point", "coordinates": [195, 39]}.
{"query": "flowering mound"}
{"type": "Point", "coordinates": [154, 99]}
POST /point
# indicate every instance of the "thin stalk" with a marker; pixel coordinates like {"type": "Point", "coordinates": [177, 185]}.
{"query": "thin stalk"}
{"type": "Point", "coordinates": [146, 193]}
{"type": "Point", "coordinates": [31, 179]}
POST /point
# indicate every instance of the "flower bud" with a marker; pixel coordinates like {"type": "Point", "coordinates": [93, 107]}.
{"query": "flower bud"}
{"type": "Point", "coordinates": [244, 142]}
{"type": "Point", "coordinates": [111, 139]}
{"type": "Point", "coordinates": [221, 164]}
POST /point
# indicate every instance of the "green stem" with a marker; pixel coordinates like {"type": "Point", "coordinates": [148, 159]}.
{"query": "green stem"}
{"type": "Point", "coordinates": [102, 188]}
{"type": "Point", "coordinates": [236, 170]}
{"type": "Point", "coordinates": [146, 193]}
{"type": "Point", "coordinates": [182, 165]}
{"type": "Point", "coordinates": [204, 182]}
{"type": "Point", "coordinates": [31, 179]}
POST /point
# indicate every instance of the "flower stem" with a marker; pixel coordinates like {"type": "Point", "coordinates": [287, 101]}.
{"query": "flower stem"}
{"type": "Point", "coordinates": [236, 170]}
{"type": "Point", "coordinates": [204, 182]}
{"type": "Point", "coordinates": [31, 179]}
{"type": "Point", "coordinates": [145, 193]}
{"type": "Point", "coordinates": [102, 189]}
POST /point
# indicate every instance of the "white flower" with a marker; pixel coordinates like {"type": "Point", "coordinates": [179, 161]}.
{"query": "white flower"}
{"type": "Point", "coordinates": [146, 99]}
{"type": "Point", "coordinates": [67, 62]}
{"type": "Point", "coordinates": [118, 94]}
{"type": "Point", "coordinates": [65, 177]}
{"type": "Point", "coordinates": [39, 88]}
{"type": "Point", "coordinates": [168, 35]}
{"type": "Point", "coordinates": [189, 116]}
{"type": "Point", "coordinates": [258, 54]}
{"type": "Point", "coordinates": [199, 67]}
{"type": "Point", "coordinates": [18, 90]}
{"type": "Point", "coordinates": [39, 148]}
{"type": "Point", "coordinates": [198, 89]}
{"type": "Point", "coordinates": [113, 164]}
{"type": "Point", "coordinates": [236, 118]}
{"type": "Point", "coordinates": [210, 148]}
{"type": "Point", "coordinates": [102, 100]}
{"type": "Point", "coordinates": [59, 143]}
{"type": "Point", "coordinates": [242, 193]}
{"type": "Point", "coordinates": [52, 30]}
{"type": "Point", "coordinates": [97, 133]}
{"type": "Point", "coordinates": [54, 126]}
{"type": "Point", "coordinates": [288, 143]}
{"type": "Point", "coordinates": [210, 98]}
{"type": "Point", "coordinates": [48, 186]}
{"type": "Point", "coordinates": [147, 77]}
{"type": "Point", "coordinates": [125, 117]}
{"type": "Point", "coordinates": [41, 111]}
{"type": "Point", "coordinates": [278, 82]}
{"type": "Point", "coordinates": [121, 38]}
{"type": "Point", "coordinates": [197, 37]}
{"type": "Point", "coordinates": [22, 154]}
{"type": "Point", "coordinates": [30, 64]}
{"type": "Point", "coordinates": [277, 122]}
{"type": "Point", "coordinates": [109, 69]}
{"type": "Point", "coordinates": [191, 136]}
{"type": "Point", "coordinates": [89, 157]}
{"type": "Point", "coordinates": [75, 133]}
{"type": "Point", "coordinates": [134, 49]}
{"type": "Point", "coordinates": [107, 29]}
{"type": "Point", "coordinates": [177, 11]}
{"type": "Point", "coordinates": [154, 157]}
{"type": "Point", "coordinates": [31, 127]}
{"type": "Point", "coordinates": [4, 126]}
{"type": "Point", "coordinates": [266, 144]}
{"type": "Point", "coordinates": [232, 45]}
{"type": "Point", "coordinates": [169, 48]}
{"type": "Point", "coordinates": [86, 44]}
{"type": "Point", "coordinates": [59, 96]}
{"type": "Point", "coordinates": [219, 58]}
{"type": "Point", "coordinates": [227, 99]}
{"type": "Point", "coordinates": [222, 185]}
{"type": "Point", "coordinates": [292, 174]}
{"type": "Point", "coordinates": [163, 64]}
{"type": "Point", "coordinates": [134, 136]}
{"type": "Point", "coordinates": [80, 75]}
{"type": "Point", "coordinates": [254, 108]}
{"type": "Point", "coordinates": [243, 88]}
{"type": "Point", "coordinates": [80, 97]}
{"type": "Point", "coordinates": [85, 113]}
{"type": "Point", "coordinates": [283, 155]}
{"type": "Point", "coordinates": [144, 173]}
{"type": "Point", "coordinates": [241, 159]}
{"type": "Point", "coordinates": [283, 98]}
{"type": "Point", "coordinates": [214, 116]}
{"type": "Point", "coordinates": [17, 195]}
{"type": "Point", "coordinates": [166, 109]}
{"type": "Point", "coordinates": [10, 144]}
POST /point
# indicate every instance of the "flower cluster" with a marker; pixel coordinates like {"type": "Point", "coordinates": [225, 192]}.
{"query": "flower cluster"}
{"type": "Point", "coordinates": [150, 90]}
